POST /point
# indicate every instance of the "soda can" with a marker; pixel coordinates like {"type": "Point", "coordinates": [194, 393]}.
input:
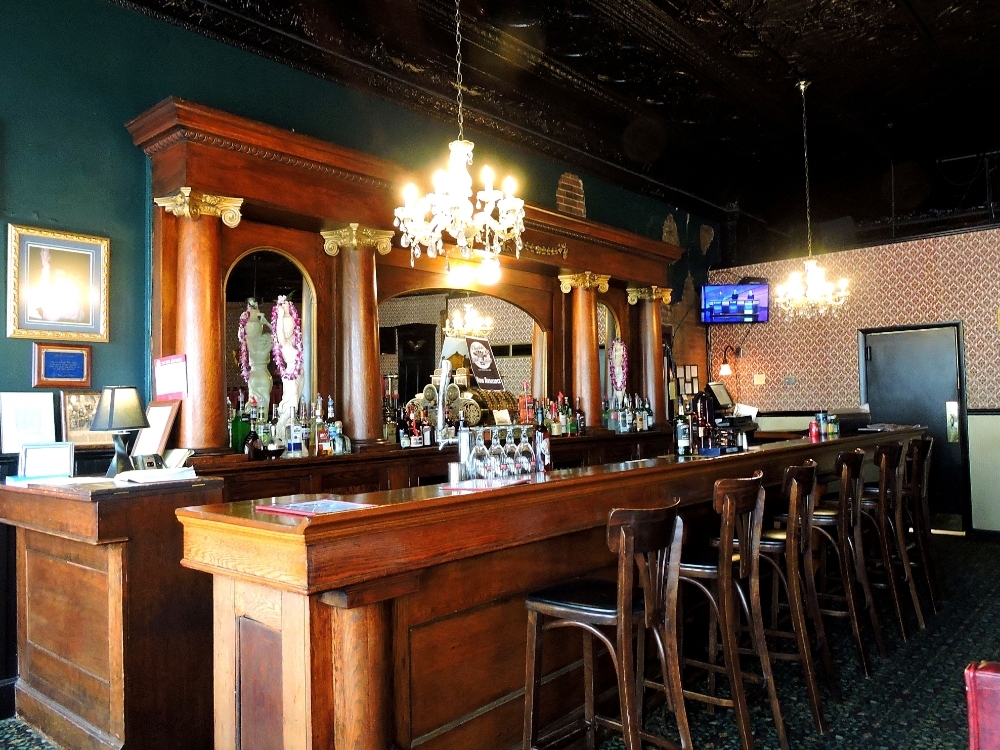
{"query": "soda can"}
{"type": "Point", "coordinates": [814, 430]}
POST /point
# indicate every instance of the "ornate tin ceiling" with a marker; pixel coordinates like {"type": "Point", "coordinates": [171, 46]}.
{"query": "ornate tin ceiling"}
{"type": "Point", "coordinates": [693, 101]}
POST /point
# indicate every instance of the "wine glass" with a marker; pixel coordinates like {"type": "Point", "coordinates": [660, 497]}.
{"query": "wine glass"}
{"type": "Point", "coordinates": [525, 455]}
{"type": "Point", "coordinates": [479, 458]}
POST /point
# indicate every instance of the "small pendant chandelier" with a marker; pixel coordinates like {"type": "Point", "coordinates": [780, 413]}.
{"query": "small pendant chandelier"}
{"type": "Point", "coordinates": [813, 295]}
{"type": "Point", "coordinates": [470, 324]}
{"type": "Point", "coordinates": [483, 229]}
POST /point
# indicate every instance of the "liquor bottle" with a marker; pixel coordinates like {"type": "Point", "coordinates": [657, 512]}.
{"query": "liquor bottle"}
{"type": "Point", "coordinates": [426, 431]}
{"type": "Point", "coordinates": [640, 425]}
{"type": "Point", "coordinates": [276, 440]}
{"type": "Point", "coordinates": [613, 416]}
{"type": "Point", "coordinates": [605, 416]}
{"type": "Point", "coordinates": [416, 436]}
{"type": "Point", "coordinates": [240, 426]}
{"type": "Point", "coordinates": [572, 426]}
{"type": "Point", "coordinates": [252, 444]}
{"type": "Point", "coordinates": [522, 403]}
{"type": "Point", "coordinates": [682, 431]}
{"type": "Point", "coordinates": [581, 419]}
{"type": "Point", "coordinates": [402, 429]}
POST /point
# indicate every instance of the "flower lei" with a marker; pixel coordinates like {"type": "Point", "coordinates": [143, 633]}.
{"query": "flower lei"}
{"type": "Point", "coordinates": [619, 375]}
{"type": "Point", "coordinates": [293, 371]}
{"type": "Point", "coordinates": [244, 352]}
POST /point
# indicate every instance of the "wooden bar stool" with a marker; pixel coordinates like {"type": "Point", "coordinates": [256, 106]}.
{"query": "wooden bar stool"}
{"type": "Point", "coordinates": [839, 528]}
{"type": "Point", "coordinates": [884, 508]}
{"type": "Point", "coordinates": [918, 465]}
{"type": "Point", "coordinates": [794, 544]}
{"type": "Point", "coordinates": [740, 504]}
{"type": "Point", "coordinates": [648, 541]}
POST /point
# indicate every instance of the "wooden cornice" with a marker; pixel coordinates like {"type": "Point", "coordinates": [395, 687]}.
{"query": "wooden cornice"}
{"type": "Point", "coordinates": [289, 179]}
{"type": "Point", "coordinates": [175, 119]}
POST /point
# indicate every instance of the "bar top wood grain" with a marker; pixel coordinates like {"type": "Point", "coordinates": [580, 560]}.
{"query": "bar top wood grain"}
{"type": "Point", "coordinates": [410, 529]}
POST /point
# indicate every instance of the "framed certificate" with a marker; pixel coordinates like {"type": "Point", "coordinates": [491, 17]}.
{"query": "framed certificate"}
{"type": "Point", "coordinates": [60, 365]}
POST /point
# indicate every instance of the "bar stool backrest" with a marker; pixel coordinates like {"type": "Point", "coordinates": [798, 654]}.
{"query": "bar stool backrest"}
{"type": "Point", "coordinates": [918, 454]}
{"type": "Point", "coordinates": [648, 540]}
{"type": "Point", "coordinates": [887, 458]}
{"type": "Point", "coordinates": [740, 502]}
{"type": "Point", "coordinates": [799, 490]}
{"type": "Point", "coordinates": [848, 468]}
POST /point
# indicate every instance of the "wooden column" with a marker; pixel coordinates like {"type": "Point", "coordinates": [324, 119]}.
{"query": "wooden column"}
{"type": "Point", "coordinates": [539, 362]}
{"type": "Point", "coordinates": [359, 374]}
{"type": "Point", "coordinates": [650, 300]}
{"type": "Point", "coordinates": [586, 366]}
{"type": "Point", "coordinates": [200, 331]}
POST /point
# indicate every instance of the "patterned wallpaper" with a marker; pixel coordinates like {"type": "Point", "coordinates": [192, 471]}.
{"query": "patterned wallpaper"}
{"type": "Point", "coordinates": [932, 280]}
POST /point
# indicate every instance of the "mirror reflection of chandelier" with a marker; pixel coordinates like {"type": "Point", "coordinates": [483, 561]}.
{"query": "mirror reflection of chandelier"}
{"type": "Point", "coordinates": [483, 229]}
{"type": "Point", "coordinates": [469, 324]}
{"type": "Point", "coordinates": [812, 295]}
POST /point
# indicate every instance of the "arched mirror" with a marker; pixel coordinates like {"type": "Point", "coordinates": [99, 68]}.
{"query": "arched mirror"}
{"type": "Point", "coordinates": [255, 284]}
{"type": "Point", "coordinates": [607, 331]}
{"type": "Point", "coordinates": [412, 333]}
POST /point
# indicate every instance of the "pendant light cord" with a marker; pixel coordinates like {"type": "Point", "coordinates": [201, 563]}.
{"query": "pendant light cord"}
{"type": "Point", "coordinates": [803, 85]}
{"type": "Point", "coordinates": [458, 67]}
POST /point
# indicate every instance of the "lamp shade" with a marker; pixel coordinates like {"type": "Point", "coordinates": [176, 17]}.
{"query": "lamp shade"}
{"type": "Point", "coordinates": [119, 408]}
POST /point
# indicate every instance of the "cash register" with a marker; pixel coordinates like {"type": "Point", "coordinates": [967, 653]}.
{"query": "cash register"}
{"type": "Point", "coordinates": [732, 432]}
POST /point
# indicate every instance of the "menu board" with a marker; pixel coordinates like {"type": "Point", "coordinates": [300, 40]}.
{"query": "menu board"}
{"type": "Point", "coordinates": [484, 364]}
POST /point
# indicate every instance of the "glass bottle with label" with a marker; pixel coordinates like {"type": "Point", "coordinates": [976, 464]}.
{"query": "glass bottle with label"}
{"type": "Point", "coordinates": [682, 431]}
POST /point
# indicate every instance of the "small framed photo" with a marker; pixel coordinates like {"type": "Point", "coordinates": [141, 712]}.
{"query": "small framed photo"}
{"type": "Point", "coordinates": [78, 409]}
{"type": "Point", "coordinates": [57, 285]}
{"type": "Point", "coordinates": [153, 439]}
{"type": "Point", "coordinates": [46, 460]}
{"type": "Point", "coordinates": [60, 365]}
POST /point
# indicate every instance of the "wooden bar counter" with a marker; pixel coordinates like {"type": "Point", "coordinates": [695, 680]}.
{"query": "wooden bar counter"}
{"type": "Point", "coordinates": [403, 624]}
{"type": "Point", "coordinates": [113, 635]}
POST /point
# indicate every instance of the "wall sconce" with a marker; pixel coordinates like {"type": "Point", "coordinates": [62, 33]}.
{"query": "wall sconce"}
{"type": "Point", "coordinates": [725, 369]}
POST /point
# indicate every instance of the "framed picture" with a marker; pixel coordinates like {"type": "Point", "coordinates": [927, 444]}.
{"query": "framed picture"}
{"type": "Point", "coordinates": [57, 285]}
{"type": "Point", "coordinates": [60, 365]}
{"type": "Point", "coordinates": [153, 439]}
{"type": "Point", "coordinates": [26, 419]}
{"type": "Point", "coordinates": [78, 409]}
{"type": "Point", "coordinates": [46, 460]}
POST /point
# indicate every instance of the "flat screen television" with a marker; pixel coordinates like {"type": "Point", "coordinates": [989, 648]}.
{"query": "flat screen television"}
{"type": "Point", "coordinates": [734, 303]}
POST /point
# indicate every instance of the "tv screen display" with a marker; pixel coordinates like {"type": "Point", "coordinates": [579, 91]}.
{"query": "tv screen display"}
{"type": "Point", "coordinates": [734, 303]}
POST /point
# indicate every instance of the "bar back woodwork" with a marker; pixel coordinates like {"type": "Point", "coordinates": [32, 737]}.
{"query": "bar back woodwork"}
{"type": "Point", "coordinates": [294, 186]}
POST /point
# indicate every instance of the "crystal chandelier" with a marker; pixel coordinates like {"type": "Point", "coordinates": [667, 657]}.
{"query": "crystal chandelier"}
{"type": "Point", "coordinates": [470, 324]}
{"type": "Point", "coordinates": [483, 229]}
{"type": "Point", "coordinates": [812, 295]}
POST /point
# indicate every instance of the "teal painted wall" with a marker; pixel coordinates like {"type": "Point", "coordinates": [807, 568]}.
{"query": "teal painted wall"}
{"type": "Point", "coordinates": [72, 72]}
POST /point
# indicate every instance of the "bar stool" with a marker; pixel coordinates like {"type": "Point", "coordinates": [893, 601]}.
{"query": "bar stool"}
{"type": "Point", "coordinates": [794, 543]}
{"type": "Point", "coordinates": [740, 504]}
{"type": "Point", "coordinates": [884, 509]}
{"type": "Point", "coordinates": [918, 465]}
{"type": "Point", "coordinates": [614, 613]}
{"type": "Point", "coordinates": [846, 541]}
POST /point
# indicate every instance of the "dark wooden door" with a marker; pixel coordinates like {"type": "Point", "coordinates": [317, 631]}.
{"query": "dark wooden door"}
{"type": "Point", "coordinates": [416, 358]}
{"type": "Point", "coordinates": [916, 375]}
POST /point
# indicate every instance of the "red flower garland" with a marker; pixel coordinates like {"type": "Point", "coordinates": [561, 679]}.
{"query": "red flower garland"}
{"type": "Point", "coordinates": [244, 352]}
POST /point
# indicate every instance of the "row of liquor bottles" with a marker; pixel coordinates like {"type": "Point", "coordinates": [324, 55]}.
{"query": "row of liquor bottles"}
{"type": "Point", "coordinates": [695, 434]}
{"type": "Point", "coordinates": [303, 432]}
{"type": "Point", "coordinates": [627, 414]}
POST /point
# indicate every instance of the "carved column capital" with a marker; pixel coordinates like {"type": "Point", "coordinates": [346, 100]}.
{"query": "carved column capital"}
{"type": "Point", "coordinates": [636, 293]}
{"type": "Point", "coordinates": [193, 204]}
{"type": "Point", "coordinates": [585, 280]}
{"type": "Point", "coordinates": [355, 236]}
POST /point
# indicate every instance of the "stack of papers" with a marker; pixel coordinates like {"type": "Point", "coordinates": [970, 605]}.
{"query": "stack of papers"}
{"type": "Point", "coordinates": [152, 476]}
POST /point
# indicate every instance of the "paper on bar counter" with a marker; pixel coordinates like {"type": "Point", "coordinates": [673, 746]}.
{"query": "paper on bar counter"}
{"type": "Point", "coordinates": [745, 410]}
{"type": "Point", "coordinates": [152, 476]}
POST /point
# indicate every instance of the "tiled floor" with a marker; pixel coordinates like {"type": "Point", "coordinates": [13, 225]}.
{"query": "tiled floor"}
{"type": "Point", "coordinates": [915, 701]}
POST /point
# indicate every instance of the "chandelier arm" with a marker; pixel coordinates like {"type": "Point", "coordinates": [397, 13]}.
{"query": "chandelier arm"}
{"type": "Point", "coordinates": [803, 85]}
{"type": "Point", "coordinates": [458, 67]}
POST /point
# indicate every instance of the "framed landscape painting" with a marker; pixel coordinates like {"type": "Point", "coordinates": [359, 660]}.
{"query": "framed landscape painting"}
{"type": "Point", "coordinates": [57, 285]}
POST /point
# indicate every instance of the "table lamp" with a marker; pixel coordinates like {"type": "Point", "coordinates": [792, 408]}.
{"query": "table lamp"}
{"type": "Point", "coordinates": [119, 411]}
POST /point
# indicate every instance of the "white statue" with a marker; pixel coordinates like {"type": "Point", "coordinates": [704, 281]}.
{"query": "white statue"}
{"type": "Point", "coordinates": [287, 333]}
{"type": "Point", "coordinates": [257, 333]}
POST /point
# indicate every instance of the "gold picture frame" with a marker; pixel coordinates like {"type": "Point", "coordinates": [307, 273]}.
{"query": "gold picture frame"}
{"type": "Point", "coordinates": [57, 285]}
